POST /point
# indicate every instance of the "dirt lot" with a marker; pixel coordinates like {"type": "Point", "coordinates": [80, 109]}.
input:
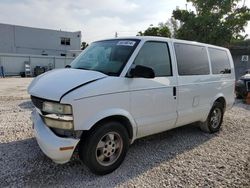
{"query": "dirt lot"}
{"type": "Point", "coordinates": [183, 157]}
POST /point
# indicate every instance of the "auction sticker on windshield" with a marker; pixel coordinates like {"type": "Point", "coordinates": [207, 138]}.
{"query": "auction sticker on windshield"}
{"type": "Point", "coordinates": [126, 43]}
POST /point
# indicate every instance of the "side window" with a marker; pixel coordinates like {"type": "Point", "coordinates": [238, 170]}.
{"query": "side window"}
{"type": "Point", "coordinates": [156, 56]}
{"type": "Point", "coordinates": [219, 61]}
{"type": "Point", "coordinates": [191, 59]}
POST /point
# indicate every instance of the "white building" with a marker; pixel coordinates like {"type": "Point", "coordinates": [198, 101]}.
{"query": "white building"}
{"type": "Point", "coordinates": [35, 41]}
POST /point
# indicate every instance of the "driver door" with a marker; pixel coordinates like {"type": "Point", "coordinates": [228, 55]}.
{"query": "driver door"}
{"type": "Point", "coordinates": [153, 101]}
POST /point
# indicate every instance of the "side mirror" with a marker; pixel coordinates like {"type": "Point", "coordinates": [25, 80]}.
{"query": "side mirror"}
{"type": "Point", "coordinates": [142, 72]}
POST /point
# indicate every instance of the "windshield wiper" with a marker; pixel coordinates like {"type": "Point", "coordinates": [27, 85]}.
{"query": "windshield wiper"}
{"type": "Point", "coordinates": [111, 73]}
{"type": "Point", "coordinates": [107, 73]}
{"type": "Point", "coordinates": [82, 68]}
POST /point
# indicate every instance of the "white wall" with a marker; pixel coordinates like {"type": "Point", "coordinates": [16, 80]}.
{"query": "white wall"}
{"type": "Point", "coordinates": [27, 40]}
{"type": "Point", "coordinates": [7, 39]}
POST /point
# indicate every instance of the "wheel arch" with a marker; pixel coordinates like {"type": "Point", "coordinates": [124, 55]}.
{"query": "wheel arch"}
{"type": "Point", "coordinates": [221, 99]}
{"type": "Point", "coordinates": [119, 118]}
{"type": "Point", "coordinates": [113, 115]}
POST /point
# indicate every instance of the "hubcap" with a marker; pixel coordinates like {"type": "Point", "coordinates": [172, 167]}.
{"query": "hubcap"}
{"type": "Point", "coordinates": [215, 118]}
{"type": "Point", "coordinates": [109, 148]}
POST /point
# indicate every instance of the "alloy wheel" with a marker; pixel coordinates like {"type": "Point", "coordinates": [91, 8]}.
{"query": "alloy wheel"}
{"type": "Point", "coordinates": [109, 148]}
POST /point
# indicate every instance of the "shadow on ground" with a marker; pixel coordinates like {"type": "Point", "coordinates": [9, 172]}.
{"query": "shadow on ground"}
{"type": "Point", "coordinates": [26, 105]}
{"type": "Point", "coordinates": [23, 164]}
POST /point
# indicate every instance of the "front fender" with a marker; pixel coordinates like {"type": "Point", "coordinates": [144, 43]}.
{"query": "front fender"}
{"type": "Point", "coordinates": [90, 122]}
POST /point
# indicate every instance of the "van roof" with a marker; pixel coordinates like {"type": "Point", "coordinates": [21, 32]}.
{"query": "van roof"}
{"type": "Point", "coordinates": [146, 38]}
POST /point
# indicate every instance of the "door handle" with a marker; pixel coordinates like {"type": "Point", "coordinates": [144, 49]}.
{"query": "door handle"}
{"type": "Point", "coordinates": [174, 92]}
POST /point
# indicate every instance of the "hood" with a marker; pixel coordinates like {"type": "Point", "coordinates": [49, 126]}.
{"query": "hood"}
{"type": "Point", "coordinates": [53, 85]}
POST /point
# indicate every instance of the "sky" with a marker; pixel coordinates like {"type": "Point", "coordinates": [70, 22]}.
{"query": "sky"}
{"type": "Point", "coordinates": [96, 19]}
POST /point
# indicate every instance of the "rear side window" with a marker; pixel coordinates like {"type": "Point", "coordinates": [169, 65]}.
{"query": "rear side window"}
{"type": "Point", "coordinates": [191, 59]}
{"type": "Point", "coordinates": [156, 56]}
{"type": "Point", "coordinates": [219, 61]}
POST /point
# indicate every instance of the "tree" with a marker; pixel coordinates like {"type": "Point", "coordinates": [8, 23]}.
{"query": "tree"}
{"type": "Point", "coordinates": [162, 30]}
{"type": "Point", "coordinates": [173, 26]}
{"type": "Point", "coordinates": [84, 45]}
{"type": "Point", "coordinates": [214, 21]}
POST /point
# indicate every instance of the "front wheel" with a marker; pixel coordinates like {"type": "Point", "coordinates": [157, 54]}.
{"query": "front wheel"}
{"type": "Point", "coordinates": [105, 148]}
{"type": "Point", "coordinates": [214, 119]}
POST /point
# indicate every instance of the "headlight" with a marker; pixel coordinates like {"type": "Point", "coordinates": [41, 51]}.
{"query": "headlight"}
{"type": "Point", "coordinates": [57, 115]}
{"type": "Point", "coordinates": [56, 108]}
{"type": "Point", "coordinates": [56, 123]}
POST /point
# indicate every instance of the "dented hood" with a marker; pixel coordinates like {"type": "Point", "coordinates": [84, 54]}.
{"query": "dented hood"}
{"type": "Point", "coordinates": [53, 85]}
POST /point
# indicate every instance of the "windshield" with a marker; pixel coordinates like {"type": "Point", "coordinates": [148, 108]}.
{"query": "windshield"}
{"type": "Point", "coordinates": [108, 57]}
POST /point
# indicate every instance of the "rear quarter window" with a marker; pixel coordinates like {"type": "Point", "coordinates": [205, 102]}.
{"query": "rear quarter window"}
{"type": "Point", "coordinates": [219, 61]}
{"type": "Point", "coordinates": [191, 59]}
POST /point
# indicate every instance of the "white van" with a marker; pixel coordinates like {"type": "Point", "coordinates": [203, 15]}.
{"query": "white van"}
{"type": "Point", "coordinates": [122, 89]}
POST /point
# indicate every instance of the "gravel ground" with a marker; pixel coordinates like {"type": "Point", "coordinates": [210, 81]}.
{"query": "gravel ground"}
{"type": "Point", "coordinates": [183, 157]}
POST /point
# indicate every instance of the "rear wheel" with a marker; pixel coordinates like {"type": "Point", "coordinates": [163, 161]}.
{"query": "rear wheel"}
{"type": "Point", "coordinates": [104, 149]}
{"type": "Point", "coordinates": [214, 119]}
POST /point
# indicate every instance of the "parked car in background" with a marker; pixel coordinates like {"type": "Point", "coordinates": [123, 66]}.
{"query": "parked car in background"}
{"type": "Point", "coordinates": [242, 86]}
{"type": "Point", "coordinates": [119, 90]}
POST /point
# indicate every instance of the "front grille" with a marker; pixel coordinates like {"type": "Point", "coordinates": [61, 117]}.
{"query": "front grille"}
{"type": "Point", "coordinates": [38, 102]}
{"type": "Point", "coordinates": [248, 85]}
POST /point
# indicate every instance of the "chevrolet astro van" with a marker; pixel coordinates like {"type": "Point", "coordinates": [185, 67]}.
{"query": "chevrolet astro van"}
{"type": "Point", "coordinates": [119, 90]}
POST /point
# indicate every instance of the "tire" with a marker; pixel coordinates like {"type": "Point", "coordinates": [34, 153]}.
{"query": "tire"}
{"type": "Point", "coordinates": [104, 148]}
{"type": "Point", "coordinates": [214, 119]}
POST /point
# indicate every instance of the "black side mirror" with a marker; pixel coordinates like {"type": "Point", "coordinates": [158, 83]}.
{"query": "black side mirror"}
{"type": "Point", "coordinates": [142, 72]}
